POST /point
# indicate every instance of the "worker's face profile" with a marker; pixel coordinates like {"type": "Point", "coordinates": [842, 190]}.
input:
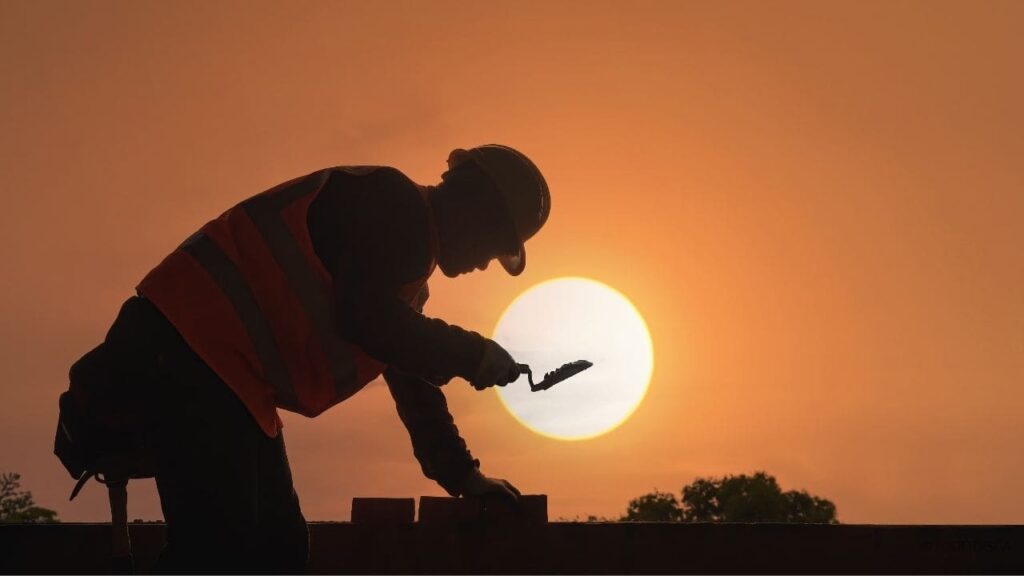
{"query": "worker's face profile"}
{"type": "Point", "coordinates": [479, 247]}
{"type": "Point", "coordinates": [468, 261]}
{"type": "Point", "coordinates": [481, 230]}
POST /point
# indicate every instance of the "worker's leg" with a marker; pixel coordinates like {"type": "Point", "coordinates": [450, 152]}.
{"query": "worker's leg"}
{"type": "Point", "coordinates": [206, 456]}
{"type": "Point", "coordinates": [282, 528]}
{"type": "Point", "coordinates": [211, 461]}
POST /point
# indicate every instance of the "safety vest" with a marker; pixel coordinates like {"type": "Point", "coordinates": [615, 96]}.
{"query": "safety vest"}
{"type": "Point", "coordinates": [253, 300]}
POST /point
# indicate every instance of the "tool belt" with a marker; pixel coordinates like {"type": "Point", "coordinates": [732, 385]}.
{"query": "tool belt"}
{"type": "Point", "coordinates": [101, 423]}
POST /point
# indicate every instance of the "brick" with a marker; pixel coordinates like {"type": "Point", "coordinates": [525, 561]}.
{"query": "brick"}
{"type": "Point", "coordinates": [531, 509]}
{"type": "Point", "coordinates": [383, 510]}
{"type": "Point", "coordinates": [443, 510]}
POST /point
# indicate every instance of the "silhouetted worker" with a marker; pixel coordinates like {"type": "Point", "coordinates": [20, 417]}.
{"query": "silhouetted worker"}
{"type": "Point", "coordinates": [297, 298]}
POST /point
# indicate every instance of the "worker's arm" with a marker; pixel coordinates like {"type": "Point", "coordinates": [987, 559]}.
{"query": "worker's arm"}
{"type": "Point", "coordinates": [442, 453]}
{"type": "Point", "coordinates": [389, 330]}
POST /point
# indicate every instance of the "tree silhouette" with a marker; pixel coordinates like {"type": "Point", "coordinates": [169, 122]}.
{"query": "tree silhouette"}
{"type": "Point", "coordinates": [17, 506]}
{"type": "Point", "coordinates": [653, 507]}
{"type": "Point", "coordinates": [742, 498]}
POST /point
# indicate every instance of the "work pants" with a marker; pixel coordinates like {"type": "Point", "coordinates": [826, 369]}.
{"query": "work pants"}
{"type": "Point", "coordinates": [225, 486]}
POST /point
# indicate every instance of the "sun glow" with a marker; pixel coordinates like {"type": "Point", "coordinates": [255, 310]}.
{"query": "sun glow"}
{"type": "Point", "coordinates": [568, 319]}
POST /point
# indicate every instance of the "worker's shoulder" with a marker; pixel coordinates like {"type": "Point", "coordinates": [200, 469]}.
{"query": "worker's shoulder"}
{"type": "Point", "coordinates": [377, 176]}
{"type": "Point", "coordinates": [370, 190]}
{"type": "Point", "coordinates": [373, 184]}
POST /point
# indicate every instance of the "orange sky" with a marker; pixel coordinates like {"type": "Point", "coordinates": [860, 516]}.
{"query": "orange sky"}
{"type": "Point", "coordinates": [816, 206]}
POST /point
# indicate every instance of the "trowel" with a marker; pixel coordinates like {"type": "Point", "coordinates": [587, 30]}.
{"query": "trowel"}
{"type": "Point", "coordinates": [556, 375]}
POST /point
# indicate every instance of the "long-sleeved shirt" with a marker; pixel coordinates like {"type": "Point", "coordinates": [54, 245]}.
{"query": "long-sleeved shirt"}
{"type": "Point", "coordinates": [371, 232]}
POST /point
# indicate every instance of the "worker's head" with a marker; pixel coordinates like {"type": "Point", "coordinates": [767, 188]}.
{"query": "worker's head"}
{"type": "Point", "coordinates": [490, 201]}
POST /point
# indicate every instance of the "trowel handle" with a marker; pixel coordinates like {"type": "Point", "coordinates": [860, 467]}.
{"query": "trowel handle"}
{"type": "Point", "coordinates": [522, 369]}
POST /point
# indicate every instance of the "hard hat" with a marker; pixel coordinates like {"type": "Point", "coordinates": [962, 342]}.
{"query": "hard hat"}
{"type": "Point", "coordinates": [522, 187]}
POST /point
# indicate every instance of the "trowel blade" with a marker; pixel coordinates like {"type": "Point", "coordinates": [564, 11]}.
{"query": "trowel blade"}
{"type": "Point", "coordinates": [561, 373]}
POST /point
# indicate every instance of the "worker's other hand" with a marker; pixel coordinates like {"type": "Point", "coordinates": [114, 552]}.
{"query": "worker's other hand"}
{"type": "Point", "coordinates": [476, 484]}
{"type": "Point", "coordinates": [497, 368]}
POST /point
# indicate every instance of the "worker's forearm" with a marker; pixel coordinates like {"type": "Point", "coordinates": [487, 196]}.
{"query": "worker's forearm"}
{"type": "Point", "coordinates": [392, 332]}
{"type": "Point", "coordinates": [436, 442]}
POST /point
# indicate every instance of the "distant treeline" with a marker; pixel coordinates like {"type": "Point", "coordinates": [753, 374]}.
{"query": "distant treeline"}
{"type": "Point", "coordinates": [756, 498]}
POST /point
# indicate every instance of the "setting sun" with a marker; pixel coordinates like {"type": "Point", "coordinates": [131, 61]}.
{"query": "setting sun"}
{"type": "Point", "coordinates": [568, 319]}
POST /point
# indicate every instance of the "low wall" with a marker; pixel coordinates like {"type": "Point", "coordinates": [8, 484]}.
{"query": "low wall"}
{"type": "Point", "coordinates": [569, 548]}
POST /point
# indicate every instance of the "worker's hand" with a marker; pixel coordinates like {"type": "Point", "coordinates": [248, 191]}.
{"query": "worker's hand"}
{"type": "Point", "coordinates": [497, 368]}
{"type": "Point", "coordinates": [476, 484]}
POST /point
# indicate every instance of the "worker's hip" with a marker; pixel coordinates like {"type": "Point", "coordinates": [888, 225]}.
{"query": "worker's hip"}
{"type": "Point", "coordinates": [177, 385]}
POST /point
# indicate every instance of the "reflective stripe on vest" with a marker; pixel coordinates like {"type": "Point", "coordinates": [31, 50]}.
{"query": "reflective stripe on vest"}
{"type": "Point", "coordinates": [229, 279]}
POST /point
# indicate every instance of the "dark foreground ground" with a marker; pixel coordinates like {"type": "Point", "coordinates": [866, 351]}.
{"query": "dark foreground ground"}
{"type": "Point", "coordinates": [569, 548]}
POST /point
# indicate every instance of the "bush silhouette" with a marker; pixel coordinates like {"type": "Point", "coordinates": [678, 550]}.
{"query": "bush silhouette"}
{"type": "Point", "coordinates": [17, 505]}
{"type": "Point", "coordinates": [653, 507]}
{"type": "Point", "coordinates": [756, 498]}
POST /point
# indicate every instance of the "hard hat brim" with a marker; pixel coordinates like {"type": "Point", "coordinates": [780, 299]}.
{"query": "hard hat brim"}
{"type": "Point", "coordinates": [514, 264]}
